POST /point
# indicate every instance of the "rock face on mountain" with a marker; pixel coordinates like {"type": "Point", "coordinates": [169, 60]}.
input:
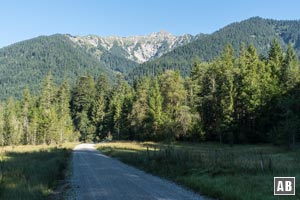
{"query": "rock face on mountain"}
{"type": "Point", "coordinates": [139, 49]}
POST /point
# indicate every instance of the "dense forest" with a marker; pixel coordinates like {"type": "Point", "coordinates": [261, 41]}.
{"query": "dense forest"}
{"type": "Point", "coordinates": [26, 64]}
{"type": "Point", "coordinates": [231, 99]}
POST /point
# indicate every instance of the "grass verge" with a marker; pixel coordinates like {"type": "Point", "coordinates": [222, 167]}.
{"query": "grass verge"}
{"type": "Point", "coordinates": [32, 172]}
{"type": "Point", "coordinates": [241, 172]}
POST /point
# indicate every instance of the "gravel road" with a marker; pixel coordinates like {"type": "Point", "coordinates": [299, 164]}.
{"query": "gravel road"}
{"type": "Point", "coordinates": [96, 176]}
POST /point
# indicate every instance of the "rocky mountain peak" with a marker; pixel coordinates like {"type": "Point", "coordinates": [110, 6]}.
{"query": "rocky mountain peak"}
{"type": "Point", "coordinates": [136, 48]}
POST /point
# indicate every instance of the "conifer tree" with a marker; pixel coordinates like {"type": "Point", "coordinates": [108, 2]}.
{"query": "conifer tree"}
{"type": "Point", "coordinates": [174, 101]}
{"type": "Point", "coordinates": [100, 105]}
{"type": "Point", "coordinates": [34, 126]}
{"type": "Point", "coordinates": [82, 101]}
{"type": "Point", "coordinates": [225, 91]}
{"type": "Point", "coordinates": [275, 59]}
{"type": "Point", "coordinates": [46, 110]}
{"type": "Point", "coordinates": [140, 108]}
{"type": "Point", "coordinates": [25, 106]}
{"type": "Point", "coordinates": [155, 101]}
{"type": "Point", "coordinates": [2, 125]}
{"type": "Point", "coordinates": [290, 69]}
{"type": "Point", "coordinates": [65, 124]}
{"type": "Point", "coordinates": [116, 105]}
{"type": "Point", "coordinates": [12, 125]}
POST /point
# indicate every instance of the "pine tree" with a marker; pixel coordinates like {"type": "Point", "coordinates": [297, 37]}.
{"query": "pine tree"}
{"type": "Point", "coordinates": [174, 101]}
{"type": "Point", "coordinates": [2, 142]}
{"type": "Point", "coordinates": [194, 88]}
{"type": "Point", "coordinates": [25, 106]}
{"type": "Point", "coordinates": [290, 69]}
{"type": "Point", "coordinates": [82, 101]}
{"type": "Point", "coordinates": [46, 111]}
{"type": "Point", "coordinates": [12, 125]}
{"type": "Point", "coordinates": [155, 101]}
{"type": "Point", "coordinates": [275, 59]}
{"type": "Point", "coordinates": [100, 105]}
{"type": "Point", "coordinates": [117, 101]}
{"type": "Point", "coordinates": [207, 106]}
{"type": "Point", "coordinates": [140, 108]}
{"type": "Point", "coordinates": [65, 124]}
{"type": "Point", "coordinates": [34, 126]}
{"type": "Point", "coordinates": [225, 91]}
{"type": "Point", "coordinates": [52, 134]}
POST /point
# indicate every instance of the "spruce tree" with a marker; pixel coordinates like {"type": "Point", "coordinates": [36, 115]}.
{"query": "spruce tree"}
{"type": "Point", "coordinates": [46, 111]}
{"type": "Point", "coordinates": [25, 106]}
{"type": "Point", "coordinates": [275, 59]}
{"type": "Point", "coordinates": [12, 125]}
{"type": "Point", "coordinates": [225, 92]}
{"type": "Point", "coordinates": [83, 97]}
{"type": "Point", "coordinates": [100, 105]}
{"type": "Point", "coordinates": [174, 101]}
{"type": "Point", "coordinates": [34, 126]}
{"type": "Point", "coordinates": [140, 108]}
{"type": "Point", "coordinates": [65, 124]}
{"type": "Point", "coordinates": [2, 142]}
{"type": "Point", "coordinates": [155, 101]}
{"type": "Point", "coordinates": [290, 69]}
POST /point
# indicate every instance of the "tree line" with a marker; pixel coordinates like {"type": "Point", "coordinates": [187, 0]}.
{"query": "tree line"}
{"type": "Point", "coordinates": [232, 99]}
{"type": "Point", "coordinates": [42, 119]}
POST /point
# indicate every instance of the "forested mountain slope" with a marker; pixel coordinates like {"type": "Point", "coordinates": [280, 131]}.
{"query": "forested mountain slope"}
{"type": "Point", "coordinates": [26, 63]}
{"type": "Point", "coordinates": [66, 56]}
{"type": "Point", "coordinates": [256, 30]}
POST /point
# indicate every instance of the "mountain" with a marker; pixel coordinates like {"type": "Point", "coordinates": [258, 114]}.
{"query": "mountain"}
{"type": "Point", "coordinates": [27, 63]}
{"type": "Point", "coordinates": [65, 56]}
{"type": "Point", "coordinates": [138, 49]}
{"type": "Point", "coordinates": [255, 30]}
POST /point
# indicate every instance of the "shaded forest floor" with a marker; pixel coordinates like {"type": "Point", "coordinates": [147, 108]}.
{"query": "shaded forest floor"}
{"type": "Point", "coordinates": [32, 172]}
{"type": "Point", "coordinates": [240, 172]}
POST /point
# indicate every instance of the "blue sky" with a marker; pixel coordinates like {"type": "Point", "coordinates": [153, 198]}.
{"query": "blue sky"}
{"type": "Point", "coordinates": [20, 20]}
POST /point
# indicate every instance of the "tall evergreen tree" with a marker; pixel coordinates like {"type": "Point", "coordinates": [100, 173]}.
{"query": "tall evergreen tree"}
{"type": "Point", "coordinates": [155, 101]}
{"type": "Point", "coordinates": [2, 142]}
{"type": "Point", "coordinates": [100, 105]}
{"type": "Point", "coordinates": [116, 107]}
{"type": "Point", "coordinates": [46, 110]}
{"type": "Point", "coordinates": [275, 58]}
{"type": "Point", "coordinates": [12, 125]}
{"type": "Point", "coordinates": [65, 124]}
{"type": "Point", "coordinates": [174, 101]}
{"type": "Point", "coordinates": [140, 108]}
{"type": "Point", "coordinates": [290, 69]}
{"type": "Point", "coordinates": [225, 91]}
{"type": "Point", "coordinates": [25, 106]}
{"type": "Point", "coordinates": [82, 101]}
{"type": "Point", "coordinates": [34, 126]}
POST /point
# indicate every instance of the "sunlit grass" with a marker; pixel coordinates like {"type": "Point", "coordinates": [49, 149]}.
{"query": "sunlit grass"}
{"type": "Point", "coordinates": [32, 172]}
{"type": "Point", "coordinates": [240, 172]}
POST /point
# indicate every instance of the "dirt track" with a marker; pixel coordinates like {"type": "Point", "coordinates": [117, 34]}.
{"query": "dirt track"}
{"type": "Point", "coordinates": [96, 176]}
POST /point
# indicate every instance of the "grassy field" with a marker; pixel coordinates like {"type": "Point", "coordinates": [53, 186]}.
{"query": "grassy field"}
{"type": "Point", "coordinates": [32, 172]}
{"type": "Point", "coordinates": [241, 172]}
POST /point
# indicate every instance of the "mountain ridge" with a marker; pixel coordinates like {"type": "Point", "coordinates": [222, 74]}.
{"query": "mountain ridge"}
{"type": "Point", "coordinates": [139, 48]}
{"type": "Point", "coordinates": [255, 30]}
{"type": "Point", "coordinates": [66, 57]}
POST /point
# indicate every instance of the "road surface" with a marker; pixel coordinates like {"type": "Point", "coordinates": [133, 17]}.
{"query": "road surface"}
{"type": "Point", "coordinates": [96, 176]}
